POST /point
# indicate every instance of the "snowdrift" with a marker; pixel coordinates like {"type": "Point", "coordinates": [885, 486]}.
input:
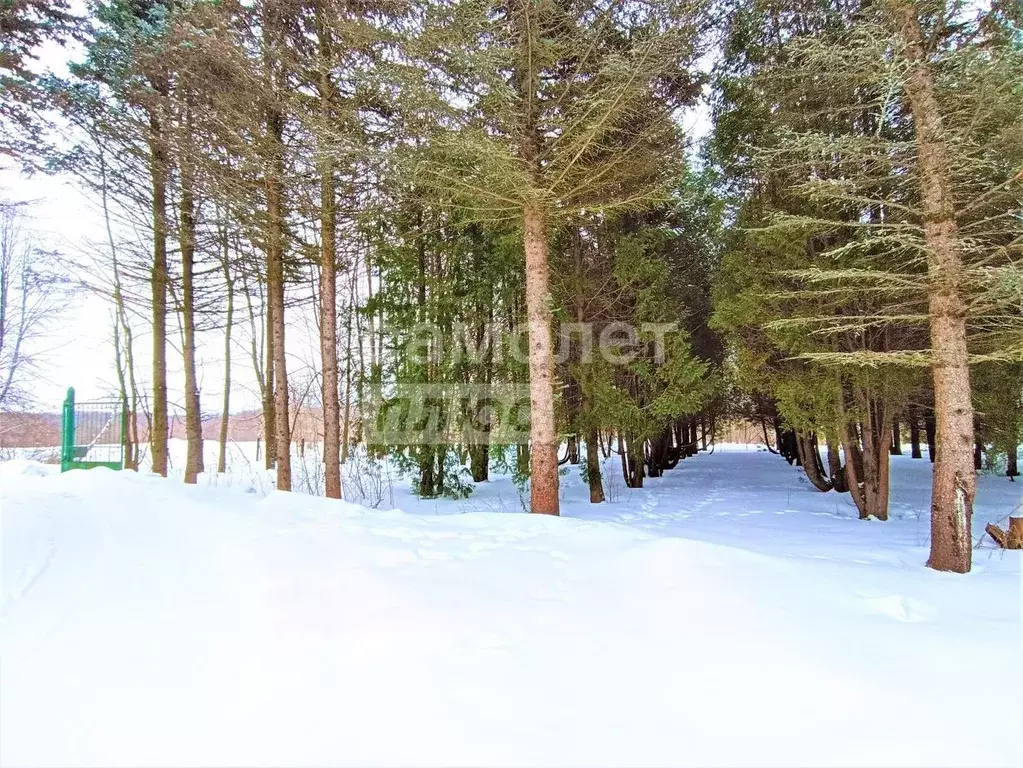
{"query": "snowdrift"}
{"type": "Point", "coordinates": [149, 623]}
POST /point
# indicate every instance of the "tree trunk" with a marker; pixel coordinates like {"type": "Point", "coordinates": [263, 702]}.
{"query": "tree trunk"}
{"type": "Point", "coordinates": [479, 461]}
{"type": "Point", "coordinates": [123, 350]}
{"type": "Point", "coordinates": [275, 291]}
{"type": "Point", "coordinates": [258, 355]}
{"type": "Point", "coordinates": [767, 441]}
{"type": "Point", "coordinates": [655, 456]}
{"type": "Point", "coordinates": [849, 443]}
{"type": "Point", "coordinates": [691, 446]}
{"type": "Point", "coordinates": [593, 477]}
{"type": "Point", "coordinates": [876, 432]}
{"type": "Point", "coordinates": [856, 455]}
{"type": "Point", "coordinates": [1011, 464]}
{"type": "Point", "coordinates": [346, 425]}
{"type": "Point", "coordinates": [480, 450]}
{"type": "Point", "coordinates": [929, 429]}
{"type": "Point", "coordinates": [441, 453]}
{"type": "Point", "coordinates": [854, 464]}
{"type": "Point", "coordinates": [788, 446]}
{"type": "Point", "coordinates": [543, 438]}
{"type": "Point", "coordinates": [427, 477]}
{"type": "Point", "coordinates": [954, 480]}
{"type": "Point", "coordinates": [785, 446]}
{"type": "Point", "coordinates": [330, 399]}
{"type": "Point", "coordinates": [522, 459]}
{"type": "Point", "coordinates": [810, 456]}
{"type": "Point", "coordinates": [269, 414]}
{"type": "Point", "coordinates": [573, 449]}
{"type": "Point", "coordinates": [225, 409]}
{"type": "Point", "coordinates": [835, 468]}
{"type": "Point", "coordinates": [186, 239]}
{"type": "Point", "coordinates": [585, 420]}
{"type": "Point", "coordinates": [276, 408]}
{"type": "Point", "coordinates": [632, 461]}
{"type": "Point", "coordinates": [914, 432]}
{"type": "Point", "coordinates": [159, 279]}
{"type": "Point", "coordinates": [896, 442]}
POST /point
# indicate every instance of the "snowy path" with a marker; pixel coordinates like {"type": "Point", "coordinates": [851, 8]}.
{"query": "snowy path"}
{"type": "Point", "coordinates": [724, 614]}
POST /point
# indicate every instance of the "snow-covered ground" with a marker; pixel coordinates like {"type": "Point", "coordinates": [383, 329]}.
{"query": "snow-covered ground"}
{"type": "Point", "coordinates": [727, 614]}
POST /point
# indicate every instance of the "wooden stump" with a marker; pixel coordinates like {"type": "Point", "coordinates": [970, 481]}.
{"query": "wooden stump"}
{"type": "Point", "coordinates": [1010, 539]}
{"type": "Point", "coordinates": [1014, 537]}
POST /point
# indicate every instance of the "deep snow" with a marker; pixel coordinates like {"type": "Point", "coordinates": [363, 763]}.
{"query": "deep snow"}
{"type": "Point", "coordinates": [725, 614]}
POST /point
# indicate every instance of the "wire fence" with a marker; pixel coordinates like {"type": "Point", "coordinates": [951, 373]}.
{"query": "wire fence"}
{"type": "Point", "coordinates": [98, 432]}
{"type": "Point", "coordinates": [93, 433]}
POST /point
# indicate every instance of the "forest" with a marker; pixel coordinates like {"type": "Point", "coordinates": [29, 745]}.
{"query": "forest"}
{"type": "Point", "coordinates": [534, 233]}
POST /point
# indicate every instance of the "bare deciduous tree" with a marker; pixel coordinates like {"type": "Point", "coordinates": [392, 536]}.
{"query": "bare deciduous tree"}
{"type": "Point", "coordinates": [32, 293]}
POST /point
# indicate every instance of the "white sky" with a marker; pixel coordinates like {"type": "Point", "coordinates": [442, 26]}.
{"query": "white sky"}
{"type": "Point", "coordinates": [79, 349]}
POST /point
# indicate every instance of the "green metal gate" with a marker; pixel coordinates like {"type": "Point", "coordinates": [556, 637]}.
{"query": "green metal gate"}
{"type": "Point", "coordinates": [92, 434]}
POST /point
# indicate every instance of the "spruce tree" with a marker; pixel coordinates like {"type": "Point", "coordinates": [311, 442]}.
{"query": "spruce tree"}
{"type": "Point", "coordinates": [552, 111]}
{"type": "Point", "coordinates": [868, 102]}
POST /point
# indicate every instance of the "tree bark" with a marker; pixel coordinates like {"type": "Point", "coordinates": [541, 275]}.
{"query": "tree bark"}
{"type": "Point", "coordinates": [876, 432]}
{"type": "Point", "coordinates": [123, 350]}
{"type": "Point", "coordinates": [849, 443]}
{"type": "Point", "coordinates": [225, 408]}
{"type": "Point", "coordinates": [480, 449]}
{"type": "Point", "coordinates": [522, 458]}
{"type": "Point", "coordinates": [810, 456]}
{"type": "Point", "coordinates": [479, 461]}
{"type": "Point", "coordinates": [542, 435]}
{"type": "Point", "coordinates": [896, 442]}
{"type": "Point", "coordinates": [269, 411]}
{"type": "Point", "coordinates": [954, 481]}
{"type": "Point", "coordinates": [329, 400]}
{"type": "Point", "coordinates": [273, 42]}
{"type": "Point", "coordinates": [929, 429]}
{"type": "Point", "coordinates": [593, 476]}
{"type": "Point", "coordinates": [275, 290]}
{"type": "Point", "coordinates": [159, 278]}
{"type": "Point", "coordinates": [346, 424]}
{"type": "Point", "coordinates": [186, 240]}
{"type": "Point", "coordinates": [835, 468]}
{"type": "Point", "coordinates": [914, 432]}
{"type": "Point", "coordinates": [632, 461]}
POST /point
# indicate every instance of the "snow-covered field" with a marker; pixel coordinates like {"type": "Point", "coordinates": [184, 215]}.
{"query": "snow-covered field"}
{"type": "Point", "coordinates": [727, 614]}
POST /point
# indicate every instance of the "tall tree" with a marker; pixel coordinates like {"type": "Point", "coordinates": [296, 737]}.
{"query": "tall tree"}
{"type": "Point", "coordinates": [883, 102]}
{"type": "Point", "coordinates": [125, 61]}
{"type": "Point", "coordinates": [554, 110]}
